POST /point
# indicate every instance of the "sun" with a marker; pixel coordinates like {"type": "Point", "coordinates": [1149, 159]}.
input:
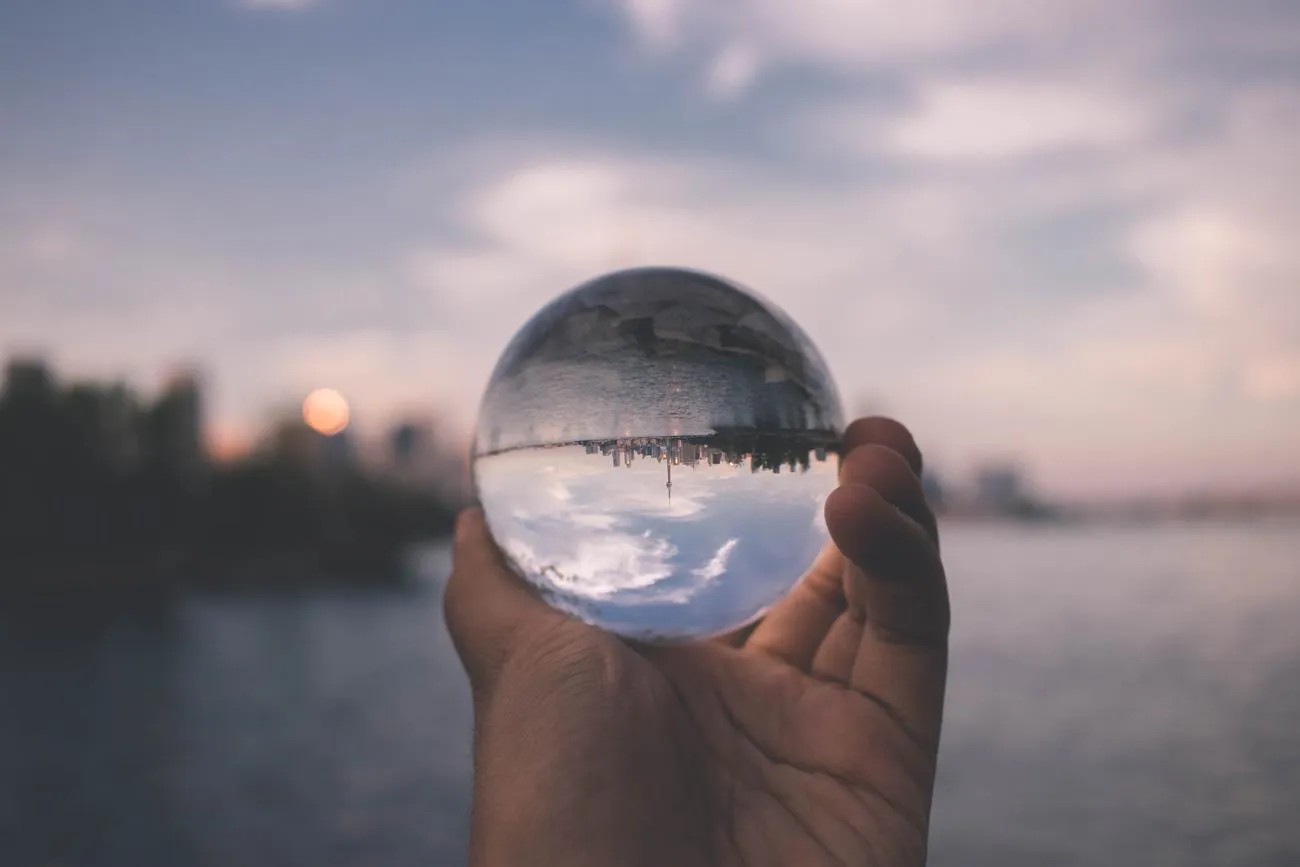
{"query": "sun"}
{"type": "Point", "coordinates": [325, 411]}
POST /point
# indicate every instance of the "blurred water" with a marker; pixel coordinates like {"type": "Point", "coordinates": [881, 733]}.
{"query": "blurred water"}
{"type": "Point", "coordinates": [1129, 696]}
{"type": "Point", "coordinates": [1119, 696]}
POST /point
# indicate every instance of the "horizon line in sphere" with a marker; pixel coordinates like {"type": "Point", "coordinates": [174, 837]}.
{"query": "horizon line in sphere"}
{"type": "Point", "coordinates": [829, 440]}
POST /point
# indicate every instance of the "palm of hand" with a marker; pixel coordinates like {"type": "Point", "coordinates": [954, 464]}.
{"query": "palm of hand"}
{"type": "Point", "coordinates": [812, 743]}
{"type": "Point", "coordinates": [771, 764]}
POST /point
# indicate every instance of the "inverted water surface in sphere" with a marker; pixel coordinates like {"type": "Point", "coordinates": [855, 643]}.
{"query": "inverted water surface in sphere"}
{"type": "Point", "coordinates": [653, 452]}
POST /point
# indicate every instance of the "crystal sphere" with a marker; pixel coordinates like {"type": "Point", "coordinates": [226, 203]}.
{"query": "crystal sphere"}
{"type": "Point", "coordinates": [654, 450]}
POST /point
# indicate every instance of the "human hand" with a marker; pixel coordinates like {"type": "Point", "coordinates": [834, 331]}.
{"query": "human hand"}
{"type": "Point", "coordinates": [810, 741]}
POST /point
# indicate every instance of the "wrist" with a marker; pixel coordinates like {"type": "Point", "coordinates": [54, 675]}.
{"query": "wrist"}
{"type": "Point", "coordinates": [560, 795]}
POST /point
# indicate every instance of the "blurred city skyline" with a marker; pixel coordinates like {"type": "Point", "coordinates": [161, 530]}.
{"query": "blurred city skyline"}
{"type": "Point", "coordinates": [1059, 233]}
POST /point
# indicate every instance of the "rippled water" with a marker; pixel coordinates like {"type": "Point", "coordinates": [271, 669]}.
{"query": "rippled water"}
{"type": "Point", "coordinates": [1117, 697]}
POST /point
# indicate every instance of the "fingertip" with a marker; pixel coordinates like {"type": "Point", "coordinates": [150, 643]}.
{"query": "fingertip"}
{"type": "Point", "coordinates": [898, 609]}
{"type": "Point", "coordinates": [897, 582]}
{"type": "Point", "coordinates": [887, 432]}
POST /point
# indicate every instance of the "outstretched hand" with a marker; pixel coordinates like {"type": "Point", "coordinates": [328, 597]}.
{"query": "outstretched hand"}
{"type": "Point", "coordinates": [810, 741]}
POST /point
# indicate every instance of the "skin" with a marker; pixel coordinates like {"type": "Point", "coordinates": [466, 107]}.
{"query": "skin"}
{"type": "Point", "coordinates": [810, 739]}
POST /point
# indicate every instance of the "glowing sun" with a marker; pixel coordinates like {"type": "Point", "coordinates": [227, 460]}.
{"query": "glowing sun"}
{"type": "Point", "coordinates": [325, 411]}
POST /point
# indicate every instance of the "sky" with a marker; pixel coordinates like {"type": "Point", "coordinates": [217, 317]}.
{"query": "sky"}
{"type": "Point", "coordinates": [614, 545]}
{"type": "Point", "coordinates": [1063, 231]}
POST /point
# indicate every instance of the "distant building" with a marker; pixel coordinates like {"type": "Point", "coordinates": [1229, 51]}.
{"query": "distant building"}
{"type": "Point", "coordinates": [336, 450]}
{"type": "Point", "coordinates": [108, 421]}
{"type": "Point", "coordinates": [999, 487]}
{"type": "Point", "coordinates": [404, 445]}
{"type": "Point", "coordinates": [935, 495]}
{"type": "Point", "coordinates": [293, 442]}
{"type": "Point", "coordinates": [28, 381]}
{"type": "Point", "coordinates": [173, 440]}
{"type": "Point", "coordinates": [120, 426]}
{"type": "Point", "coordinates": [418, 454]}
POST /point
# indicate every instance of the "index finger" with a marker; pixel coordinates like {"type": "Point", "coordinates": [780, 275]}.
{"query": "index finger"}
{"type": "Point", "coordinates": [796, 627]}
{"type": "Point", "coordinates": [896, 592]}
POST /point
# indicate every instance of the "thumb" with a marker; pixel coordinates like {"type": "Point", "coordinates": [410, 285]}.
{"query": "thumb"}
{"type": "Point", "coordinates": [486, 606]}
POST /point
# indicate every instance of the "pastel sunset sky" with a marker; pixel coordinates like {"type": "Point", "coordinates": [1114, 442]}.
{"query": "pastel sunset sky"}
{"type": "Point", "coordinates": [1064, 230]}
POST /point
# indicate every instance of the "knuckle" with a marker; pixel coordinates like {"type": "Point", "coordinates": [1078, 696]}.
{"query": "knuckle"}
{"type": "Point", "coordinates": [900, 551]}
{"type": "Point", "coordinates": [889, 473]}
{"type": "Point", "coordinates": [880, 463]}
{"type": "Point", "coordinates": [885, 431]}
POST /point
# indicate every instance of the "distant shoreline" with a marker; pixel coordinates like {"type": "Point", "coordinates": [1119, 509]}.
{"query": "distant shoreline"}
{"type": "Point", "coordinates": [175, 573]}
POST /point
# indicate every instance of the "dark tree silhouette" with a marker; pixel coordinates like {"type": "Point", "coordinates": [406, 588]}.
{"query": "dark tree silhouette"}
{"type": "Point", "coordinates": [101, 490]}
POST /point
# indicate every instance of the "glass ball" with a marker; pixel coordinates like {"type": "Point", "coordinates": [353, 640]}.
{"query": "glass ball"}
{"type": "Point", "coordinates": [654, 451]}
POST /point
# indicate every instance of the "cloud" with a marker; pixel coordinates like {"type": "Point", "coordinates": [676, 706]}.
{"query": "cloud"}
{"type": "Point", "coordinates": [1150, 282]}
{"type": "Point", "coordinates": [1233, 276]}
{"type": "Point", "coordinates": [1064, 224]}
{"type": "Point", "coordinates": [991, 119]}
{"type": "Point", "coordinates": [608, 563]}
{"type": "Point", "coordinates": [844, 35]}
{"type": "Point", "coordinates": [50, 247]}
{"type": "Point", "coordinates": [658, 22]}
{"type": "Point", "coordinates": [1008, 119]}
{"type": "Point", "coordinates": [1274, 379]}
{"type": "Point", "coordinates": [644, 556]}
{"type": "Point", "coordinates": [873, 37]}
{"type": "Point", "coordinates": [545, 224]}
{"type": "Point", "coordinates": [279, 5]}
{"type": "Point", "coordinates": [1083, 267]}
{"type": "Point", "coordinates": [732, 71]}
{"type": "Point", "coordinates": [717, 565]}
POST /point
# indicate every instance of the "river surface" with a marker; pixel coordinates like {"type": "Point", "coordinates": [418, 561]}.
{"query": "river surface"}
{"type": "Point", "coordinates": [1120, 696]}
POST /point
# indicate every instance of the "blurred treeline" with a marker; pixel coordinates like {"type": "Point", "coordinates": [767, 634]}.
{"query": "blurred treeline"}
{"type": "Point", "coordinates": [102, 489]}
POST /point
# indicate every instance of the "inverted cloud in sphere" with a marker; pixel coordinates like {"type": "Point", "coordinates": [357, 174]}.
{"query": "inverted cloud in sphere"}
{"type": "Point", "coordinates": [279, 5]}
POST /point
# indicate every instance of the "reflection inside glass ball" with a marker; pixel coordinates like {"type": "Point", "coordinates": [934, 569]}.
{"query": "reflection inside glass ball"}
{"type": "Point", "coordinates": [653, 453]}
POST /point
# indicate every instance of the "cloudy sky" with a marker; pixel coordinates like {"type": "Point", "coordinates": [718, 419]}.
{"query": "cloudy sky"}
{"type": "Point", "coordinates": [1067, 230]}
{"type": "Point", "coordinates": [616, 548]}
